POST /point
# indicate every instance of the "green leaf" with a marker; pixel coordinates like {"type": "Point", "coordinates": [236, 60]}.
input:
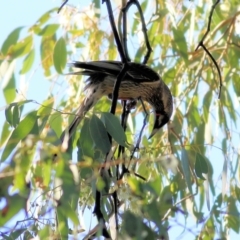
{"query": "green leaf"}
{"type": "Point", "coordinates": [179, 43]}
{"type": "Point", "coordinates": [12, 115]}
{"type": "Point", "coordinates": [15, 116]}
{"type": "Point", "coordinates": [9, 111]}
{"type": "Point", "coordinates": [199, 138]}
{"type": "Point", "coordinates": [14, 204]}
{"type": "Point", "coordinates": [4, 134]}
{"type": "Point", "coordinates": [186, 169]}
{"type": "Point", "coordinates": [232, 217]}
{"type": "Point", "coordinates": [114, 127]}
{"type": "Point", "coordinates": [55, 122]}
{"type": "Point", "coordinates": [97, 8]}
{"type": "Point", "coordinates": [11, 40]}
{"type": "Point", "coordinates": [99, 134]}
{"type": "Point", "coordinates": [9, 84]}
{"type": "Point", "coordinates": [85, 142]}
{"type": "Point", "coordinates": [46, 50]}
{"type": "Point", "coordinates": [19, 133]}
{"type": "Point", "coordinates": [28, 62]}
{"type": "Point", "coordinates": [201, 166]}
{"type": "Point", "coordinates": [15, 234]}
{"type": "Point", "coordinates": [46, 16]}
{"type": "Point", "coordinates": [44, 112]}
{"type": "Point", "coordinates": [46, 108]}
{"type": "Point", "coordinates": [60, 55]}
{"type": "Point", "coordinates": [135, 227]}
{"type": "Point", "coordinates": [49, 30]}
{"type": "Point", "coordinates": [206, 104]}
{"type": "Point", "coordinates": [236, 84]}
{"type": "Point", "coordinates": [21, 48]}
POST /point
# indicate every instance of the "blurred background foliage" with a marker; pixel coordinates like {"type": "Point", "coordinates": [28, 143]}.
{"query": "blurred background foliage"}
{"type": "Point", "coordinates": [191, 166]}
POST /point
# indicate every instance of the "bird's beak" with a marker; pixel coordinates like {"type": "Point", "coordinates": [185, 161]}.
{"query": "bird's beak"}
{"type": "Point", "coordinates": [153, 132]}
{"type": "Point", "coordinates": [156, 125]}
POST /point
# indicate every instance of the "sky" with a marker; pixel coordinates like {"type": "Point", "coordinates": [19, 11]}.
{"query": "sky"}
{"type": "Point", "coordinates": [24, 13]}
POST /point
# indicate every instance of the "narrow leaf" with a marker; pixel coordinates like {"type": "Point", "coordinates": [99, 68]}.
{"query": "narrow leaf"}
{"type": "Point", "coordinates": [11, 40]}
{"type": "Point", "coordinates": [99, 134]}
{"type": "Point", "coordinates": [201, 166]}
{"type": "Point", "coordinates": [49, 30]}
{"type": "Point", "coordinates": [114, 127]}
{"type": "Point", "coordinates": [19, 133]}
{"type": "Point", "coordinates": [186, 169]}
{"type": "Point", "coordinates": [4, 134]}
{"type": "Point", "coordinates": [46, 50]}
{"type": "Point", "coordinates": [60, 55]}
{"type": "Point", "coordinates": [28, 62]}
{"type": "Point", "coordinates": [179, 43]}
{"type": "Point", "coordinates": [15, 116]}
{"type": "Point", "coordinates": [21, 48]}
{"type": "Point", "coordinates": [85, 142]}
{"type": "Point", "coordinates": [9, 83]}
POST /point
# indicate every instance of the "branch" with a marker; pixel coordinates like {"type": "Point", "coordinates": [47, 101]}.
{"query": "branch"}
{"type": "Point", "coordinates": [114, 29]}
{"type": "Point", "coordinates": [144, 29]}
{"type": "Point", "coordinates": [205, 49]}
{"type": "Point", "coordinates": [65, 2]}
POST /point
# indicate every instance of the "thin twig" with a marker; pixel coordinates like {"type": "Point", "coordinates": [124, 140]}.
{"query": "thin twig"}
{"type": "Point", "coordinates": [141, 131]}
{"type": "Point", "coordinates": [144, 28]}
{"type": "Point", "coordinates": [65, 2]}
{"type": "Point", "coordinates": [114, 29]}
{"type": "Point", "coordinates": [205, 49]}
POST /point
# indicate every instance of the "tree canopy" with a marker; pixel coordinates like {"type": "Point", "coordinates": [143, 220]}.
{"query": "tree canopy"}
{"type": "Point", "coordinates": [182, 182]}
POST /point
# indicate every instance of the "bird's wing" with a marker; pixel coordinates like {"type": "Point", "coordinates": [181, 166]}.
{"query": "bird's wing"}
{"type": "Point", "coordinates": [137, 72]}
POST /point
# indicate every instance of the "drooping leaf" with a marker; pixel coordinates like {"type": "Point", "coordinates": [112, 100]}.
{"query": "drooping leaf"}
{"type": "Point", "coordinates": [21, 48]}
{"type": "Point", "coordinates": [44, 111]}
{"type": "Point", "coordinates": [14, 204]}
{"type": "Point", "coordinates": [15, 116]}
{"type": "Point", "coordinates": [179, 43]}
{"type": "Point", "coordinates": [11, 40]}
{"type": "Point", "coordinates": [60, 55]}
{"type": "Point", "coordinates": [55, 121]}
{"type": "Point", "coordinates": [4, 134]}
{"type": "Point", "coordinates": [9, 112]}
{"type": "Point", "coordinates": [19, 133]}
{"type": "Point", "coordinates": [186, 169]}
{"type": "Point", "coordinates": [9, 83]}
{"type": "Point", "coordinates": [46, 16]}
{"type": "Point", "coordinates": [233, 221]}
{"type": "Point", "coordinates": [85, 142]}
{"type": "Point", "coordinates": [206, 105]}
{"type": "Point", "coordinates": [114, 127]}
{"type": "Point", "coordinates": [46, 50]}
{"type": "Point", "coordinates": [28, 62]}
{"type": "Point", "coordinates": [201, 166]}
{"type": "Point", "coordinates": [49, 30]}
{"type": "Point", "coordinates": [99, 134]}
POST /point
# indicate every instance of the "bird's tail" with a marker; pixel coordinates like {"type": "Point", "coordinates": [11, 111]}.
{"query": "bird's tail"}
{"type": "Point", "coordinates": [89, 101]}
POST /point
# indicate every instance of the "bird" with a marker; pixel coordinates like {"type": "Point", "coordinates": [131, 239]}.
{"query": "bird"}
{"type": "Point", "coordinates": [140, 81]}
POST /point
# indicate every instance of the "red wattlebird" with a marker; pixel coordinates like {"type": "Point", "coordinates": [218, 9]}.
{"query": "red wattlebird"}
{"type": "Point", "coordinates": [140, 81]}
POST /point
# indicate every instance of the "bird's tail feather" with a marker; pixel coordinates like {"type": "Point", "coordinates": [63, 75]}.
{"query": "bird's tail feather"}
{"type": "Point", "coordinates": [90, 100]}
{"type": "Point", "coordinates": [68, 132]}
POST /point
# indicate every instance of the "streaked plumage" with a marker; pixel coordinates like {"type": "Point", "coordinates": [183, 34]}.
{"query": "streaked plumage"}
{"type": "Point", "coordinates": [139, 81]}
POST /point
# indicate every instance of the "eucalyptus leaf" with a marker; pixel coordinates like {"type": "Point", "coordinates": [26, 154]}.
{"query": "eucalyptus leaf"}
{"type": "Point", "coordinates": [186, 169]}
{"type": "Point", "coordinates": [60, 55]}
{"type": "Point", "coordinates": [114, 127]}
{"type": "Point", "coordinates": [19, 133]}
{"type": "Point", "coordinates": [99, 134]}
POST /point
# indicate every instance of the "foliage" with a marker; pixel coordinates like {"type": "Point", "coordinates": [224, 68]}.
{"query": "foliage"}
{"type": "Point", "coordinates": [182, 163]}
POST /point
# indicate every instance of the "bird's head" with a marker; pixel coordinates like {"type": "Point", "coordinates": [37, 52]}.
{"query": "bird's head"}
{"type": "Point", "coordinates": [163, 105]}
{"type": "Point", "coordinates": [160, 120]}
